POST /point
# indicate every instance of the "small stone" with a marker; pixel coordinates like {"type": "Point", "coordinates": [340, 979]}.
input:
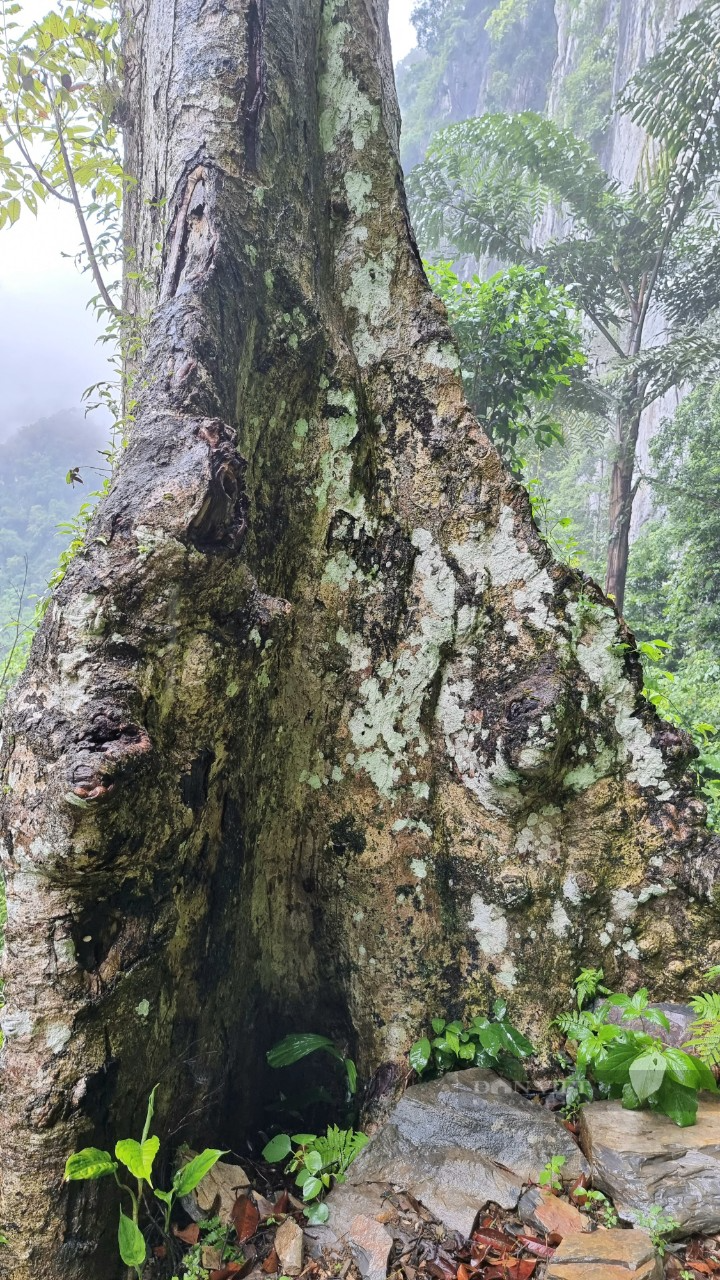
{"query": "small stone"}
{"type": "Point", "coordinates": [210, 1258]}
{"type": "Point", "coordinates": [550, 1214]}
{"type": "Point", "coordinates": [605, 1255]}
{"type": "Point", "coordinates": [370, 1243]}
{"type": "Point", "coordinates": [641, 1159]}
{"type": "Point", "coordinates": [289, 1247]}
{"type": "Point", "coordinates": [217, 1193]}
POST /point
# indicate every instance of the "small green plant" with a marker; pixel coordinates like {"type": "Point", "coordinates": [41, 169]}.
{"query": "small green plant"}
{"type": "Point", "coordinates": [633, 1065]}
{"type": "Point", "coordinates": [659, 1225]}
{"type": "Point", "coordinates": [481, 1042]}
{"type": "Point", "coordinates": [138, 1158]}
{"type": "Point", "coordinates": [578, 1091]}
{"type": "Point", "coordinates": [587, 984]}
{"type": "Point", "coordinates": [551, 1175]}
{"type": "Point", "coordinates": [316, 1161]}
{"type": "Point", "coordinates": [606, 1210]}
{"type": "Point", "coordinates": [213, 1235]}
{"type": "Point", "coordinates": [302, 1043]}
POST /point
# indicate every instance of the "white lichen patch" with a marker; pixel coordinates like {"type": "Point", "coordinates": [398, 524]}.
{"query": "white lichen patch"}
{"type": "Point", "coordinates": [336, 463]}
{"type": "Point", "coordinates": [385, 725]}
{"type": "Point", "coordinates": [369, 295]}
{"type": "Point", "coordinates": [560, 922]}
{"type": "Point", "coordinates": [500, 558]}
{"type": "Point", "coordinates": [489, 925]}
{"type": "Point", "coordinates": [441, 356]}
{"type": "Point", "coordinates": [358, 187]}
{"type": "Point", "coordinates": [345, 109]}
{"type": "Point", "coordinates": [624, 904]}
{"type": "Point", "coordinates": [597, 653]}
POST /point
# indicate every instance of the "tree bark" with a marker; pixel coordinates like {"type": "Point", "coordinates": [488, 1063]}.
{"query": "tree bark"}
{"type": "Point", "coordinates": [622, 496]}
{"type": "Point", "coordinates": [315, 734]}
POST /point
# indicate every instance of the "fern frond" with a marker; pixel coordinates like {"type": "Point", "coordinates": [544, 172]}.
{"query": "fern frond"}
{"type": "Point", "coordinates": [339, 1147]}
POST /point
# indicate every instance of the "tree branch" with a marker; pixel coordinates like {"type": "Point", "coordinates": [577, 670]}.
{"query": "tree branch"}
{"type": "Point", "coordinates": [87, 239]}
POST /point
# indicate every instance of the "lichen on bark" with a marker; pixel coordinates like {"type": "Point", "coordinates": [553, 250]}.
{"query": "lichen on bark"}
{"type": "Point", "coordinates": [316, 734]}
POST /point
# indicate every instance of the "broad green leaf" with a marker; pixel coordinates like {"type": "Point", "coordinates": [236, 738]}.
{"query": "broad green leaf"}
{"type": "Point", "coordinates": [303, 1176]}
{"type": "Point", "coordinates": [313, 1161]}
{"type": "Point", "coordinates": [312, 1188]}
{"type": "Point", "coordinates": [682, 1068]}
{"type": "Point", "coordinates": [646, 1074]}
{"type": "Point", "coordinates": [296, 1046]}
{"type": "Point", "coordinates": [304, 1139]}
{"type": "Point", "coordinates": [467, 1052]}
{"type": "Point", "coordinates": [514, 1041]}
{"type": "Point", "coordinates": [131, 1243]}
{"type": "Point", "coordinates": [438, 1025]}
{"type": "Point", "coordinates": [452, 1041]}
{"type": "Point", "coordinates": [138, 1157]}
{"type": "Point", "coordinates": [614, 1066]}
{"type": "Point", "coordinates": [317, 1213]}
{"type": "Point", "coordinates": [500, 1009]}
{"type": "Point", "coordinates": [89, 1163]}
{"type": "Point", "coordinates": [706, 1079]}
{"type": "Point", "coordinates": [491, 1038]}
{"type": "Point", "coordinates": [420, 1053]}
{"type": "Point", "coordinates": [677, 1102]}
{"type": "Point", "coordinates": [187, 1178]}
{"type": "Point", "coordinates": [277, 1148]}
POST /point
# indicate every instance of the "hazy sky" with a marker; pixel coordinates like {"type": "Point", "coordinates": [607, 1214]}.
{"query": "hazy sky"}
{"type": "Point", "coordinates": [48, 339]}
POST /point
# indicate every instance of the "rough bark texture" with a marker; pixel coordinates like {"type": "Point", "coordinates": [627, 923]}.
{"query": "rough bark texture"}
{"type": "Point", "coordinates": [315, 733]}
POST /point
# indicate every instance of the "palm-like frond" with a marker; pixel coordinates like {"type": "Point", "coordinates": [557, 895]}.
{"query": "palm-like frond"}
{"type": "Point", "coordinates": [693, 355]}
{"type": "Point", "coordinates": [676, 100]}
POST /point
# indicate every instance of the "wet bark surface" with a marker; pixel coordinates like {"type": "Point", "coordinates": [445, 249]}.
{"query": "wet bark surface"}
{"type": "Point", "coordinates": [315, 733]}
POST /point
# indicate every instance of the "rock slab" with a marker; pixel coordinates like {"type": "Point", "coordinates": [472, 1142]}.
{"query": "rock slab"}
{"type": "Point", "coordinates": [551, 1215]}
{"type": "Point", "coordinates": [605, 1255]}
{"type": "Point", "coordinates": [463, 1141]}
{"type": "Point", "coordinates": [641, 1159]}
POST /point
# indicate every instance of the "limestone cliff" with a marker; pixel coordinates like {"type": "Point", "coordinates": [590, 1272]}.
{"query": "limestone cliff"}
{"type": "Point", "coordinates": [570, 58]}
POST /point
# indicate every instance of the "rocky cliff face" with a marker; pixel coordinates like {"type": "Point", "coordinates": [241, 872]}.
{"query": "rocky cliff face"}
{"type": "Point", "coordinates": [570, 58]}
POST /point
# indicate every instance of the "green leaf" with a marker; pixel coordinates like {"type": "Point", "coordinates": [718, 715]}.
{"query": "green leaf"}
{"type": "Point", "coordinates": [514, 1041]}
{"type": "Point", "coordinates": [646, 1074]}
{"type": "Point", "coordinates": [187, 1178]}
{"type": "Point", "coordinates": [316, 1214]}
{"type": "Point", "coordinates": [500, 1008]}
{"type": "Point", "coordinates": [677, 1102]}
{"type": "Point", "coordinates": [614, 1067]}
{"type": "Point", "coordinates": [89, 1163]}
{"type": "Point", "coordinates": [312, 1188]}
{"type": "Point", "coordinates": [303, 1139]}
{"type": "Point", "coordinates": [13, 210]}
{"type": "Point", "coordinates": [682, 1068]}
{"type": "Point", "coordinates": [131, 1243]}
{"type": "Point", "coordinates": [296, 1046]}
{"type": "Point", "coordinates": [420, 1053]}
{"type": "Point", "coordinates": [630, 1100]}
{"type": "Point", "coordinates": [351, 1071]}
{"type": "Point", "coordinates": [277, 1148]}
{"type": "Point", "coordinates": [313, 1161]}
{"type": "Point", "coordinates": [138, 1157]}
{"type": "Point", "coordinates": [150, 1110]}
{"type": "Point", "coordinates": [438, 1025]}
{"type": "Point", "coordinates": [491, 1038]}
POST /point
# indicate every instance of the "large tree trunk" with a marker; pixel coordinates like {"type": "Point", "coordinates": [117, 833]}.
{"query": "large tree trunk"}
{"type": "Point", "coordinates": [315, 733]}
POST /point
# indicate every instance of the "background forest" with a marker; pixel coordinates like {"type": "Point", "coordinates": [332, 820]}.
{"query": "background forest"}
{"type": "Point", "coordinates": [540, 374]}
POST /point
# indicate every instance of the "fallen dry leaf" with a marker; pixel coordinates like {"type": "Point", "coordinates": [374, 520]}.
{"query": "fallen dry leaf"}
{"type": "Point", "coordinates": [271, 1263]}
{"type": "Point", "coordinates": [245, 1218]}
{"type": "Point", "coordinates": [188, 1235]}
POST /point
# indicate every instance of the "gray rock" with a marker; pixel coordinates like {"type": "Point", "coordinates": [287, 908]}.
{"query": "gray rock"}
{"type": "Point", "coordinates": [460, 1142]}
{"type": "Point", "coordinates": [370, 1244]}
{"type": "Point", "coordinates": [678, 1015]}
{"type": "Point", "coordinates": [642, 1159]}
